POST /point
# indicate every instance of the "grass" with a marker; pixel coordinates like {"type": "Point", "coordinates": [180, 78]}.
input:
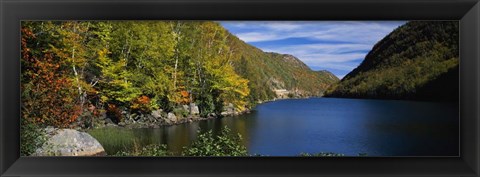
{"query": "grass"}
{"type": "Point", "coordinates": [114, 140]}
{"type": "Point", "coordinates": [120, 142]}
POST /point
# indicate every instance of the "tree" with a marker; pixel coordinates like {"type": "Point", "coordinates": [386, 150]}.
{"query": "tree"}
{"type": "Point", "coordinates": [48, 94]}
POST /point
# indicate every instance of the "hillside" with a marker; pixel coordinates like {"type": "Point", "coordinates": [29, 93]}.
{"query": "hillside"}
{"type": "Point", "coordinates": [146, 66]}
{"type": "Point", "coordinates": [418, 60]}
{"type": "Point", "coordinates": [269, 72]}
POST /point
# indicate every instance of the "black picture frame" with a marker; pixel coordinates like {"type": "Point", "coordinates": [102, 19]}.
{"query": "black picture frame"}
{"type": "Point", "coordinates": [13, 11]}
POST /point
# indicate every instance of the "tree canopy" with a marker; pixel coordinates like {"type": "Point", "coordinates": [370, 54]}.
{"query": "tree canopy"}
{"type": "Point", "coordinates": [79, 67]}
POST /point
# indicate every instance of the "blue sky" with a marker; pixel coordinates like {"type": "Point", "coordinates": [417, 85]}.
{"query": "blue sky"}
{"type": "Point", "coordinates": [336, 46]}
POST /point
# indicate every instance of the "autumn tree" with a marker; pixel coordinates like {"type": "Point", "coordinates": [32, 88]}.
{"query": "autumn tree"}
{"type": "Point", "coordinates": [48, 93]}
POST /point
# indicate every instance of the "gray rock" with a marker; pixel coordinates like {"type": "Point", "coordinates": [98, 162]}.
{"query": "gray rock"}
{"type": "Point", "coordinates": [152, 119]}
{"type": "Point", "coordinates": [135, 117]}
{"type": "Point", "coordinates": [140, 118]}
{"type": "Point", "coordinates": [157, 114]}
{"type": "Point", "coordinates": [122, 124]}
{"type": "Point", "coordinates": [50, 130]}
{"type": "Point", "coordinates": [186, 108]}
{"type": "Point", "coordinates": [111, 125]}
{"type": "Point", "coordinates": [212, 115]}
{"type": "Point", "coordinates": [171, 117]}
{"type": "Point", "coordinates": [108, 121]}
{"type": "Point", "coordinates": [69, 142]}
{"type": "Point", "coordinates": [228, 109]}
{"type": "Point", "coordinates": [224, 113]}
{"type": "Point", "coordinates": [194, 109]}
{"type": "Point", "coordinates": [167, 121]}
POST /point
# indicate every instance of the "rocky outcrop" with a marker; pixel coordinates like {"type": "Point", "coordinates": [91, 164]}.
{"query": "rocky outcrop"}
{"type": "Point", "coordinates": [171, 117]}
{"type": "Point", "coordinates": [155, 119]}
{"type": "Point", "coordinates": [230, 110]}
{"type": "Point", "coordinates": [157, 114]}
{"type": "Point", "coordinates": [69, 142]}
{"type": "Point", "coordinates": [194, 109]}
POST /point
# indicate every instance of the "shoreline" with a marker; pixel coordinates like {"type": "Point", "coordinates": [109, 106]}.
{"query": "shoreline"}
{"type": "Point", "coordinates": [163, 119]}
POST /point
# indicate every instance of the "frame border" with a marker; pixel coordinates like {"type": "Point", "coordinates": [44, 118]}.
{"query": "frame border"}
{"type": "Point", "coordinates": [13, 11]}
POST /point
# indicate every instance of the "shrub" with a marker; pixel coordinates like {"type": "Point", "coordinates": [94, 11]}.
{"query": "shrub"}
{"type": "Point", "coordinates": [181, 112]}
{"type": "Point", "coordinates": [115, 113]}
{"type": "Point", "coordinates": [31, 137]}
{"type": "Point", "coordinates": [152, 150]}
{"type": "Point", "coordinates": [290, 95]}
{"type": "Point", "coordinates": [205, 104]}
{"type": "Point", "coordinates": [144, 104]}
{"type": "Point", "coordinates": [222, 145]}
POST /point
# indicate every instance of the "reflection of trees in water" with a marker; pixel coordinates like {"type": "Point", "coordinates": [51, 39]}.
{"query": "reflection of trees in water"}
{"type": "Point", "coordinates": [178, 136]}
{"type": "Point", "coordinates": [145, 137]}
{"type": "Point", "coordinates": [242, 124]}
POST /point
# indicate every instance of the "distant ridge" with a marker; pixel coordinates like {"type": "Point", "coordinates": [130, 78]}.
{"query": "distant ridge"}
{"type": "Point", "coordinates": [268, 71]}
{"type": "Point", "coordinates": [418, 60]}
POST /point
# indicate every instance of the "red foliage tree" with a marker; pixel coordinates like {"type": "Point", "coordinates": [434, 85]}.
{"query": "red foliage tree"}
{"type": "Point", "coordinates": [48, 96]}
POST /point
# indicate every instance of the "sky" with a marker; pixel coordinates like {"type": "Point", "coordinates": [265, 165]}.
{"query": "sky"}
{"type": "Point", "coordinates": [336, 46]}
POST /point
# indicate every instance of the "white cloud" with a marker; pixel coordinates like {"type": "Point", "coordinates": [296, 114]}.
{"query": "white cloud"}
{"type": "Point", "coordinates": [335, 45]}
{"type": "Point", "coordinates": [257, 37]}
{"type": "Point", "coordinates": [365, 32]}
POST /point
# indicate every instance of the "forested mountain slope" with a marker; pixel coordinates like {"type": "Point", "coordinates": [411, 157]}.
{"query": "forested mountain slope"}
{"type": "Point", "coordinates": [268, 71]}
{"type": "Point", "coordinates": [76, 68]}
{"type": "Point", "coordinates": [418, 60]}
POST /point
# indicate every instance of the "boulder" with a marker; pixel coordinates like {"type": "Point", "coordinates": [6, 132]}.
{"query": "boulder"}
{"type": "Point", "coordinates": [236, 113]}
{"type": "Point", "coordinates": [108, 121]}
{"type": "Point", "coordinates": [69, 142]}
{"type": "Point", "coordinates": [229, 110]}
{"type": "Point", "coordinates": [171, 117]}
{"type": "Point", "coordinates": [194, 109]}
{"type": "Point", "coordinates": [167, 121]}
{"type": "Point", "coordinates": [50, 130]}
{"type": "Point", "coordinates": [135, 117]}
{"type": "Point", "coordinates": [186, 108]}
{"type": "Point", "coordinates": [212, 115]}
{"type": "Point", "coordinates": [224, 113]}
{"type": "Point", "coordinates": [140, 118]}
{"type": "Point", "coordinates": [157, 114]}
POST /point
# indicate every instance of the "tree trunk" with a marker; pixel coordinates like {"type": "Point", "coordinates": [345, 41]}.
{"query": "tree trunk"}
{"type": "Point", "coordinates": [80, 90]}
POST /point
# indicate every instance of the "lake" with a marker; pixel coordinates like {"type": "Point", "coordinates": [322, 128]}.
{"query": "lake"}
{"type": "Point", "coordinates": [348, 126]}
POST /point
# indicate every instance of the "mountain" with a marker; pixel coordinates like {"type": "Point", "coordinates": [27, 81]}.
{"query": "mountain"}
{"type": "Point", "coordinates": [418, 60]}
{"type": "Point", "coordinates": [273, 75]}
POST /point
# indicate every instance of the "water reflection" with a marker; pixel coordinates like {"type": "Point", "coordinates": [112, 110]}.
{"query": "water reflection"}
{"type": "Point", "coordinates": [348, 126]}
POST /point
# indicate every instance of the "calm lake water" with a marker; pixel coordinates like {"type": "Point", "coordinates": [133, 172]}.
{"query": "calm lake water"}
{"type": "Point", "coordinates": [349, 126]}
